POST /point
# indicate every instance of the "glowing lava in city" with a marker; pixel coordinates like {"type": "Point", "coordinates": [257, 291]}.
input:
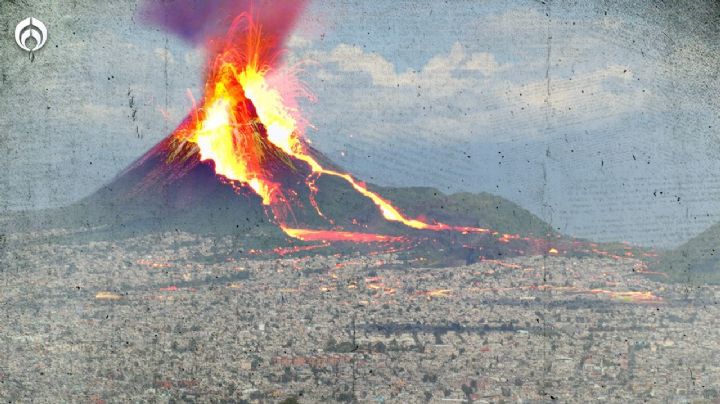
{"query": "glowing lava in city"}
{"type": "Point", "coordinates": [248, 126]}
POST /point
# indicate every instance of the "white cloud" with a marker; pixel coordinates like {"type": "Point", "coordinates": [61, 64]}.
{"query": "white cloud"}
{"type": "Point", "coordinates": [463, 94]}
{"type": "Point", "coordinates": [440, 74]}
{"type": "Point", "coordinates": [297, 41]}
{"type": "Point", "coordinates": [164, 55]}
{"type": "Point", "coordinates": [484, 63]}
{"type": "Point", "coordinates": [195, 56]}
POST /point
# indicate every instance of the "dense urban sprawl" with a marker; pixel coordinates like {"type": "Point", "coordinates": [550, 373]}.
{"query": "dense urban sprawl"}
{"type": "Point", "coordinates": [185, 318]}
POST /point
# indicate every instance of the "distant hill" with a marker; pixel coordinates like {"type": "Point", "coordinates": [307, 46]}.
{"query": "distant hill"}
{"type": "Point", "coordinates": [696, 261]}
{"type": "Point", "coordinates": [468, 209]}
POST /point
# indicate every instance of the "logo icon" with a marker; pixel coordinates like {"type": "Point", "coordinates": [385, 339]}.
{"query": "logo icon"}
{"type": "Point", "coordinates": [31, 28]}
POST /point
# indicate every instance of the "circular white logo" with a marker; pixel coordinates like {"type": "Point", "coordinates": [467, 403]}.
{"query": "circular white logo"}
{"type": "Point", "coordinates": [31, 28]}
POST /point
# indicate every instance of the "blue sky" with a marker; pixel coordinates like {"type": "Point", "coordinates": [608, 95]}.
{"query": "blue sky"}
{"type": "Point", "coordinates": [600, 119]}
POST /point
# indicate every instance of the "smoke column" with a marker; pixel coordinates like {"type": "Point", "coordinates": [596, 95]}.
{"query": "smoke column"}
{"type": "Point", "coordinates": [206, 22]}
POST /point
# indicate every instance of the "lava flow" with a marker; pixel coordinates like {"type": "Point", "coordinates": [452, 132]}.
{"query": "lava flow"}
{"type": "Point", "coordinates": [249, 128]}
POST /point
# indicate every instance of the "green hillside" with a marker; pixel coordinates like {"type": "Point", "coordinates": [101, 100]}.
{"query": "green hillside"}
{"type": "Point", "coordinates": [467, 209]}
{"type": "Point", "coordinates": [696, 261]}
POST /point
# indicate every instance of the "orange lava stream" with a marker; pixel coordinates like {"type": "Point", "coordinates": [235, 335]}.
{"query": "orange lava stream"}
{"type": "Point", "coordinates": [435, 293]}
{"type": "Point", "coordinates": [630, 296]}
{"type": "Point", "coordinates": [335, 235]}
{"type": "Point", "coordinates": [389, 212]}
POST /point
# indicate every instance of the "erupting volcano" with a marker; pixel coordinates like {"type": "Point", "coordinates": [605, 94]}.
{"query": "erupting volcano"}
{"type": "Point", "coordinates": [240, 163]}
{"type": "Point", "coordinates": [247, 128]}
